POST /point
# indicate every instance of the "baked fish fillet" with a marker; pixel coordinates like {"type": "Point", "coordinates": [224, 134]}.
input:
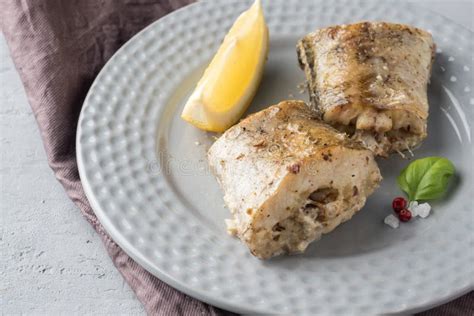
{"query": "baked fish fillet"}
{"type": "Point", "coordinates": [287, 178]}
{"type": "Point", "coordinates": [370, 80]}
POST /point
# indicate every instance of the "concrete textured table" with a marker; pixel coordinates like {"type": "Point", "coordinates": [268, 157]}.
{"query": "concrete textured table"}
{"type": "Point", "coordinates": [52, 262]}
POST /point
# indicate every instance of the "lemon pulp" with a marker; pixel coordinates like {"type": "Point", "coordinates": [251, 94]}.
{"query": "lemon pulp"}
{"type": "Point", "coordinates": [230, 81]}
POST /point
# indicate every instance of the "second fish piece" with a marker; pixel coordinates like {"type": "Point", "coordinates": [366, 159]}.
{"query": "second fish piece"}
{"type": "Point", "coordinates": [370, 80]}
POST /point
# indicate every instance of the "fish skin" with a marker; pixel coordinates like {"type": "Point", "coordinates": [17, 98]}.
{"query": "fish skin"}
{"type": "Point", "coordinates": [371, 78]}
{"type": "Point", "coordinates": [272, 161]}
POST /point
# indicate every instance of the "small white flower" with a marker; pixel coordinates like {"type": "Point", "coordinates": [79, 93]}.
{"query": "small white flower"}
{"type": "Point", "coordinates": [392, 221]}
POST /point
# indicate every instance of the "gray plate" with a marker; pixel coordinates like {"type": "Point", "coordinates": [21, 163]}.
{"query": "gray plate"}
{"type": "Point", "coordinates": [149, 184]}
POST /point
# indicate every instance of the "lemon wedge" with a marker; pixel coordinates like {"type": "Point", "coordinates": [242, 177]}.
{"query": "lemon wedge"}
{"type": "Point", "coordinates": [230, 81]}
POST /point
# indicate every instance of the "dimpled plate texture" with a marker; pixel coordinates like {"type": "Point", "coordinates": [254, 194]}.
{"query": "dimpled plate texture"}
{"type": "Point", "coordinates": [144, 171]}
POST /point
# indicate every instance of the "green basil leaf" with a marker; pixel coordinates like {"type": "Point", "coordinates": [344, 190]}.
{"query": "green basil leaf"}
{"type": "Point", "coordinates": [426, 178]}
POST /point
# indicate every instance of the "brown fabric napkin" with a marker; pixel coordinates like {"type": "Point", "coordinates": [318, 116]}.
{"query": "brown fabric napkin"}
{"type": "Point", "coordinates": [58, 48]}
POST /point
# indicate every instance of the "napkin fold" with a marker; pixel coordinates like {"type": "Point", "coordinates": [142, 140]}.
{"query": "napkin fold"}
{"type": "Point", "coordinates": [58, 48]}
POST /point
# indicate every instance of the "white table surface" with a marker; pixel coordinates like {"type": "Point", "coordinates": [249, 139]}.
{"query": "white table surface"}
{"type": "Point", "coordinates": [52, 262]}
